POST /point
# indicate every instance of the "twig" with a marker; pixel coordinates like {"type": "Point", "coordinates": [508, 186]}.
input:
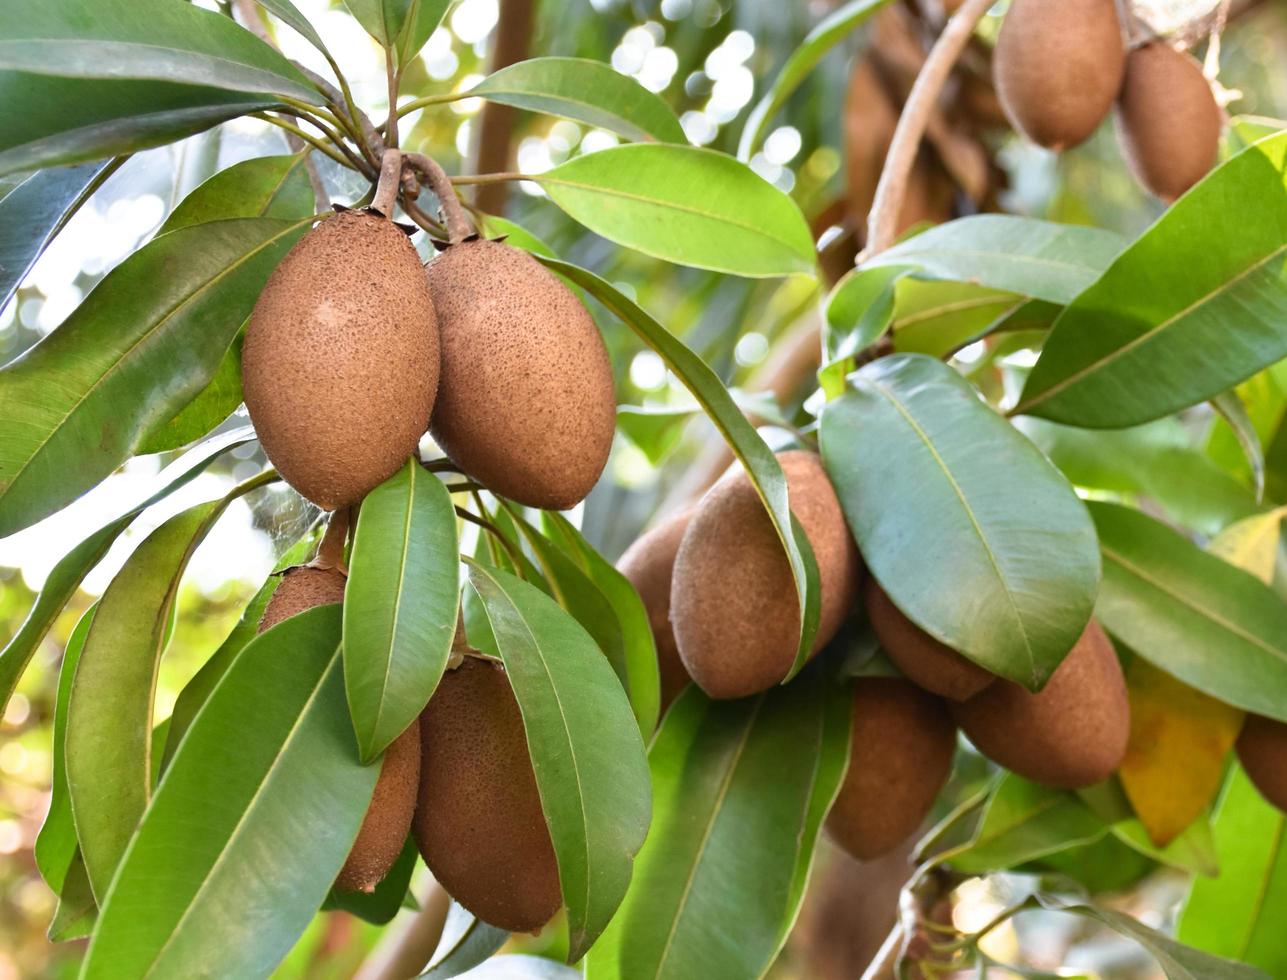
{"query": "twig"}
{"type": "Point", "coordinates": [458, 226]}
{"type": "Point", "coordinates": [330, 553]}
{"type": "Point", "coordinates": [386, 191]}
{"type": "Point", "coordinates": [494, 127]}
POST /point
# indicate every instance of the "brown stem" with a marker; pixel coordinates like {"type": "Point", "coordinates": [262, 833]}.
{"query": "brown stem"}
{"type": "Point", "coordinates": [386, 191]}
{"type": "Point", "coordinates": [882, 226]}
{"type": "Point", "coordinates": [330, 553]}
{"type": "Point", "coordinates": [493, 135]}
{"type": "Point", "coordinates": [458, 226]}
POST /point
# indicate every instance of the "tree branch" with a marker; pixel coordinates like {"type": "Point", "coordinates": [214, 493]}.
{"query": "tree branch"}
{"type": "Point", "coordinates": [494, 127]}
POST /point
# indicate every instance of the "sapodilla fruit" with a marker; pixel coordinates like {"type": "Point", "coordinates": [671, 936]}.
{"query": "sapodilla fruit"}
{"type": "Point", "coordinates": [340, 363]}
{"type": "Point", "coordinates": [1057, 66]}
{"type": "Point", "coordinates": [902, 745]}
{"type": "Point", "coordinates": [1070, 735]}
{"type": "Point", "coordinates": [648, 564]}
{"type": "Point", "coordinates": [479, 822]}
{"type": "Point", "coordinates": [388, 817]}
{"type": "Point", "coordinates": [733, 602]}
{"type": "Point", "coordinates": [1262, 750]}
{"type": "Point", "coordinates": [527, 406]}
{"type": "Point", "coordinates": [1168, 122]}
{"type": "Point", "coordinates": [931, 664]}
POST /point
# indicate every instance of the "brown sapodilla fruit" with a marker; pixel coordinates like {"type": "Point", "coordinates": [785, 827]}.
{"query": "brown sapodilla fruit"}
{"type": "Point", "coordinates": [902, 745]}
{"type": "Point", "coordinates": [479, 822]}
{"type": "Point", "coordinates": [1057, 66]}
{"type": "Point", "coordinates": [340, 363]}
{"type": "Point", "coordinates": [733, 603]}
{"type": "Point", "coordinates": [1071, 734]}
{"type": "Point", "coordinates": [931, 664]}
{"type": "Point", "coordinates": [527, 405]}
{"type": "Point", "coordinates": [648, 564]}
{"type": "Point", "coordinates": [301, 588]}
{"type": "Point", "coordinates": [1262, 750]}
{"type": "Point", "coordinates": [1168, 122]}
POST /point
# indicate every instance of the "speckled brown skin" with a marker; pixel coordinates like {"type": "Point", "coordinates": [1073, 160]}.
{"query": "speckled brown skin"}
{"type": "Point", "coordinates": [1168, 122]}
{"type": "Point", "coordinates": [733, 603]}
{"type": "Point", "coordinates": [478, 822]}
{"type": "Point", "coordinates": [1262, 750]}
{"type": "Point", "coordinates": [340, 364]}
{"type": "Point", "coordinates": [388, 818]}
{"type": "Point", "coordinates": [1057, 66]}
{"type": "Point", "coordinates": [648, 564]}
{"type": "Point", "coordinates": [931, 664]}
{"type": "Point", "coordinates": [527, 406]}
{"type": "Point", "coordinates": [902, 743]}
{"type": "Point", "coordinates": [1070, 735]}
{"type": "Point", "coordinates": [301, 588]}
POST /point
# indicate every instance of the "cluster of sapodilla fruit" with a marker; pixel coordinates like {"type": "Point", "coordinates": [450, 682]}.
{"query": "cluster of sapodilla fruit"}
{"type": "Point", "coordinates": [1061, 65]}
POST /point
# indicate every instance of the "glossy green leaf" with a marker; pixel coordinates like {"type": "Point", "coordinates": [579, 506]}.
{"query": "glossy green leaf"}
{"type": "Point", "coordinates": [1193, 850]}
{"type": "Point", "coordinates": [66, 575]}
{"type": "Point", "coordinates": [589, 760]}
{"type": "Point", "coordinates": [750, 449]}
{"type": "Point", "coordinates": [1194, 306]}
{"type": "Point", "coordinates": [273, 761]}
{"type": "Point", "coordinates": [289, 14]}
{"type": "Point", "coordinates": [949, 504]}
{"type": "Point", "coordinates": [1234, 412]}
{"type": "Point", "coordinates": [33, 213]}
{"type": "Point", "coordinates": [141, 346]}
{"type": "Point", "coordinates": [403, 25]}
{"type": "Point", "coordinates": [1240, 914]}
{"type": "Point", "coordinates": [859, 311]}
{"type": "Point", "coordinates": [263, 187]}
{"type": "Point", "coordinates": [939, 317]}
{"type": "Point", "coordinates": [154, 40]}
{"type": "Point", "coordinates": [494, 226]}
{"type": "Point", "coordinates": [733, 833]}
{"type": "Point", "coordinates": [465, 943]}
{"type": "Point", "coordinates": [399, 605]}
{"type": "Point", "coordinates": [1190, 613]}
{"type": "Point", "coordinates": [588, 92]}
{"type": "Point", "coordinates": [685, 205]}
{"type": "Point", "coordinates": [212, 405]}
{"type": "Point", "coordinates": [76, 912]}
{"type": "Point", "coordinates": [381, 904]}
{"type": "Point", "coordinates": [829, 32]}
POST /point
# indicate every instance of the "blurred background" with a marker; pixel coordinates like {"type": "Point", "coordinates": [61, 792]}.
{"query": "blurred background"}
{"type": "Point", "coordinates": [711, 59]}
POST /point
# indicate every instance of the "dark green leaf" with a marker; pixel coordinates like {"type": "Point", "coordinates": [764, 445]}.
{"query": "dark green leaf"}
{"type": "Point", "coordinates": [263, 187]}
{"type": "Point", "coordinates": [212, 405]}
{"type": "Point", "coordinates": [385, 901]}
{"type": "Point", "coordinates": [282, 794]}
{"type": "Point", "coordinates": [948, 504]}
{"type": "Point", "coordinates": [465, 943]}
{"type": "Point", "coordinates": [859, 311]}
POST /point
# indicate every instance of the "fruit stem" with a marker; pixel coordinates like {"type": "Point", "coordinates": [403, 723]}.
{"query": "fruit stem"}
{"type": "Point", "coordinates": [357, 123]}
{"type": "Point", "coordinates": [392, 74]}
{"type": "Point", "coordinates": [458, 226]}
{"type": "Point", "coordinates": [330, 553]}
{"type": "Point", "coordinates": [419, 217]}
{"type": "Point", "coordinates": [386, 191]}
{"type": "Point", "coordinates": [882, 227]}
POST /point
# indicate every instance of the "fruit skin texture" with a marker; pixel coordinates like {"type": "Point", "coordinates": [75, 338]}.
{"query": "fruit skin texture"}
{"type": "Point", "coordinates": [301, 588]}
{"type": "Point", "coordinates": [388, 818]}
{"type": "Point", "coordinates": [648, 564]}
{"type": "Point", "coordinates": [1262, 750]}
{"type": "Point", "coordinates": [1070, 735]}
{"type": "Point", "coordinates": [340, 363]}
{"type": "Point", "coordinates": [732, 599]}
{"type": "Point", "coordinates": [1057, 66]}
{"type": "Point", "coordinates": [931, 664]}
{"type": "Point", "coordinates": [1168, 122]}
{"type": "Point", "coordinates": [479, 823]}
{"type": "Point", "coordinates": [527, 406]}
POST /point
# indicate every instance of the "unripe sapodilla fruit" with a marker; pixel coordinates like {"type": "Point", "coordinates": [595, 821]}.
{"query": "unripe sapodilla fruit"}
{"type": "Point", "coordinates": [1057, 66]}
{"type": "Point", "coordinates": [388, 817]}
{"type": "Point", "coordinates": [648, 564]}
{"type": "Point", "coordinates": [527, 406]}
{"type": "Point", "coordinates": [1168, 122]}
{"type": "Point", "coordinates": [733, 602]}
{"type": "Point", "coordinates": [1262, 750]}
{"type": "Point", "coordinates": [340, 363]}
{"type": "Point", "coordinates": [902, 745]}
{"type": "Point", "coordinates": [479, 822]}
{"type": "Point", "coordinates": [1071, 734]}
{"type": "Point", "coordinates": [931, 664]}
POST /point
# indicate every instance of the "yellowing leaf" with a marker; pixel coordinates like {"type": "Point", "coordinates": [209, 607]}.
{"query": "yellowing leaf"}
{"type": "Point", "coordinates": [1252, 543]}
{"type": "Point", "coordinates": [1175, 758]}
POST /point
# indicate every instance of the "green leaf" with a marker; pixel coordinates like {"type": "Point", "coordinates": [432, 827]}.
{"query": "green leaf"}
{"type": "Point", "coordinates": [830, 32]}
{"type": "Point", "coordinates": [399, 605]}
{"type": "Point", "coordinates": [948, 504]}
{"type": "Point", "coordinates": [588, 92]}
{"type": "Point", "coordinates": [733, 834]}
{"type": "Point", "coordinates": [272, 761]}
{"type": "Point", "coordinates": [76, 912]}
{"type": "Point", "coordinates": [1240, 913]}
{"type": "Point", "coordinates": [515, 234]}
{"type": "Point", "coordinates": [66, 575]}
{"type": "Point", "coordinates": [289, 14]}
{"type": "Point", "coordinates": [1033, 258]}
{"type": "Point", "coordinates": [35, 211]}
{"type": "Point", "coordinates": [685, 205]}
{"type": "Point", "coordinates": [465, 943]}
{"type": "Point", "coordinates": [110, 712]}
{"type": "Point", "coordinates": [153, 40]}
{"type": "Point", "coordinates": [859, 311]}
{"type": "Point", "coordinates": [420, 18]}
{"type": "Point", "coordinates": [140, 347]}
{"type": "Point", "coordinates": [380, 905]}
{"type": "Point", "coordinates": [1194, 306]}
{"type": "Point", "coordinates": [589, 760]}
{"type": "Point", "coordinates": [750, 449]}
{"type": "Point", "coordinates": [1190, 613]}
{"type": "Point", "coordinates": [212, 405]}
{"type": "Point", "coordinates": [264, 187]}
{"type": "Point", "coordinates": [1193, 851]}
{"type": "Point", "coordinates": [939, 318]}
{"type": "Point", "coordinates": [1234, 412]}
